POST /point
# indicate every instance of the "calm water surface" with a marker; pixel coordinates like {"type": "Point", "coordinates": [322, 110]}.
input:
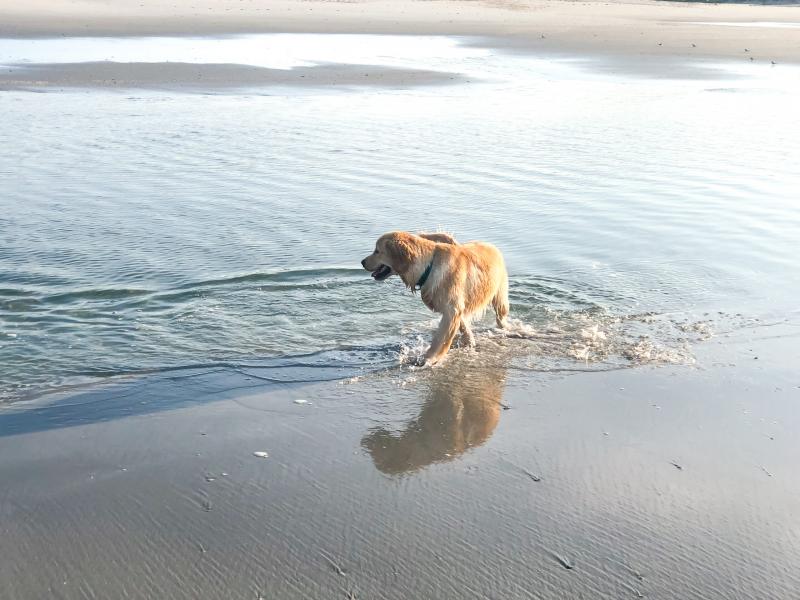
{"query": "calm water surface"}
{"type": "Point", "coordinates": [150, 230]}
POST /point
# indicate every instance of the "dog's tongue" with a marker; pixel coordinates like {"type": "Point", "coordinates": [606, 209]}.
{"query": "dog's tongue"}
{"type": "Point", "coordinates": [381, 272]}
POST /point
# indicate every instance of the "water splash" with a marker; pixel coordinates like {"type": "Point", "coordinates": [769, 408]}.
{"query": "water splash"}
{"type": "Point", "coordinates": [556, 325]}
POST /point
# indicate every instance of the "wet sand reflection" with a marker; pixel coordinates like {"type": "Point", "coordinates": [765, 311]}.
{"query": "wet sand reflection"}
{"type": "Point", "coordinates": [460, 412]}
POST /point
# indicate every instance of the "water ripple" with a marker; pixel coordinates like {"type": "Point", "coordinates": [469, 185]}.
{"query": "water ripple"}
{"type": "Point", "coordinates": [162, 230]}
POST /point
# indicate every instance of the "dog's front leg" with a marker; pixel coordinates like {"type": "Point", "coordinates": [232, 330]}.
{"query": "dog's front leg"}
{"type": "Point", "coordinates": [443, 338]}
{"type": "Point", "coordinates": [467, 339]}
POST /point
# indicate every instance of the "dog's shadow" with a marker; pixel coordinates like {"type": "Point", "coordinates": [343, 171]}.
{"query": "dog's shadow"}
{"type": "Point", "coordinates": [460, 412]}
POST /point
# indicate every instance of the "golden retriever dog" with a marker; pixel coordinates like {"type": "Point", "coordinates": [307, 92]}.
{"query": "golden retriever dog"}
{"type": "Point", "coordinates": [459, 281]}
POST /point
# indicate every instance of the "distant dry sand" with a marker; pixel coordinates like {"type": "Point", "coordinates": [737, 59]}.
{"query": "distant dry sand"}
{"type": "Point", "coordinates": [641, 28]}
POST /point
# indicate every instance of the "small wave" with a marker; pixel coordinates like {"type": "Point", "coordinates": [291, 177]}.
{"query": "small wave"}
{"type": "Point", "coordinates": [323, 365]}
{"type": "Point", "coordinates": [305, 276]}
{"type": "Point", "coordinates": [94, 294]}
{"type": "Point", "coordinates": [24, 300]}
{"type": "Point", "coordinates": [14, 293]}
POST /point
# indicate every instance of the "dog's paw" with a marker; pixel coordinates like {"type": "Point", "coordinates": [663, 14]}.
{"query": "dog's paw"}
{"type": "Point", "coordinates": [431, 361]}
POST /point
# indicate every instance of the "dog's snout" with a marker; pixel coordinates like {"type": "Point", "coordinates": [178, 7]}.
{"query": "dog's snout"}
{"type": "Point", "coordinates": [364, 263]}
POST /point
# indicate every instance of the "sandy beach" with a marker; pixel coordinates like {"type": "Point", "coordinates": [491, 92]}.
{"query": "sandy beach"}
{"type": "Point", "coordinates": [646, 28]}
{"type": "Point", "coordinates": [652, 39]}
{"type": "Point", "coordinates": [252, 428]}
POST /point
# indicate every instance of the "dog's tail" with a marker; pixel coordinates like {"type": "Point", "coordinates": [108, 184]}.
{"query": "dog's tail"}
{"type": "Point", "coordinates": [500, 301]}
{"type": "Point", "coordinates": [440, 237]}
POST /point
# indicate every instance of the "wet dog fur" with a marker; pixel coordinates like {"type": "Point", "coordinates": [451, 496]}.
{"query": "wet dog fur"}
{"type": "Point", "coordinates": [463, 280]}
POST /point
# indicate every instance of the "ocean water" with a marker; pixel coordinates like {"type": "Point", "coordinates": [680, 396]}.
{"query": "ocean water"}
{"type": "Point", "coordinates": [144, 230]}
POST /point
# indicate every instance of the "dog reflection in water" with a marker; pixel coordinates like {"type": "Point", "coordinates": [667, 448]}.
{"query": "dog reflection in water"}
{"type": "Point", "coordinates": [460, 412]}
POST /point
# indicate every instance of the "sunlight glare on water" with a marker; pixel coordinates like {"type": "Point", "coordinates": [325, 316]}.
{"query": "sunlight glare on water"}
{"type": "Point", "coordinates": [274, 51]}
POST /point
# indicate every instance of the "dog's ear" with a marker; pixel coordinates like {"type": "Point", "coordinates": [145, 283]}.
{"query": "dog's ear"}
{"type": "Point", "coordinates": [402, 249]}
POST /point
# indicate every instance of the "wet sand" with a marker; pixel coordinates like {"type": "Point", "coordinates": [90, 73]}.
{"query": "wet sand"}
{"type": "Point", "coordinates": [205, 77]}
{"type": "Point", "coordinates": [462, 481]}
{"type": "Point", "coordinates": [645, 28]}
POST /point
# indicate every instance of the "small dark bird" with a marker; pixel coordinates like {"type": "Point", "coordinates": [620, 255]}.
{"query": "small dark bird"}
{"type": "Point", "coordinates": [659, 43]}
{"type": "Point", "coordinates": [773, 62]}
{"type": "Point", "coordinates": [694, 45]}
{"type": "Point", "coordinates": [747, 49]}
{"type": "Point", "coordinates": [751, 58]}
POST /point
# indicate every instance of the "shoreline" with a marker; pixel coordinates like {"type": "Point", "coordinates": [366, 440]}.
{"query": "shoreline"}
{"type": "Point", "coordinates": [646, 29]}
{"type": "Point", "coordinates": [657, 480]}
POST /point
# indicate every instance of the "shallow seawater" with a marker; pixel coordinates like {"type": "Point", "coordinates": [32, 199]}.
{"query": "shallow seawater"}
{"type": "Point", "coordinates": [147, 230]}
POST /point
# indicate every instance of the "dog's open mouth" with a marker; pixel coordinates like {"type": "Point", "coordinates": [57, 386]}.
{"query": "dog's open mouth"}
{"type": "Point", "coordinates": [381, 273]}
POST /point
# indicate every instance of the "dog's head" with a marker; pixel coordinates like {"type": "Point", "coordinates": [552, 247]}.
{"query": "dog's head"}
{"type": "Point", "coordinates": [394, 253]}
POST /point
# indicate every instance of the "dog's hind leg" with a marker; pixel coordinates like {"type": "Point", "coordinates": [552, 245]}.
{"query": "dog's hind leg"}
{"type": "Point", "coordinates": [500, 302]}
{"type": "Point", "coordinates": [467, 339]}
{"type": "Point", "coordinates": [443, 338]}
